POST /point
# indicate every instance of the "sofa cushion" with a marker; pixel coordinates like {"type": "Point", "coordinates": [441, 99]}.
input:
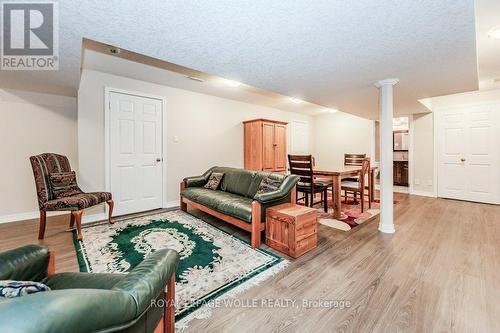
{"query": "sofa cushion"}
{"type": "Point", "coordinates": [214, 181]}
{"type": "Point", "coordinates": [236, 181]}
{"type": "Point", "coordinates": [268, 184]}
{"type": "Point", "coordinates": [77, 202]}
{"type": "Point", "coordinates": [11, 288]}
{"type": "Point", "coordinates": [224, 202]}
{"type": "Point", "coordinates": [257, 180]}
{"type": "Point", "coordinates": [63, 184]}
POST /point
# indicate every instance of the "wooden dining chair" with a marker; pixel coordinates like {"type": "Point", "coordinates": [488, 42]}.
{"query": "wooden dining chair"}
{"type": "Point", "coordinates": [359, 186]}
{"type": "Point", "coordinates": [353, 160]}
{"type": "Point", "coordinates": [302, 166]}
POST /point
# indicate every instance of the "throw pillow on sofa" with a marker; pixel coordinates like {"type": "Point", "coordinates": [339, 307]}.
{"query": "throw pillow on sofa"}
{"type": "Point", "coordinates": [214, 180]}
{"type": "Point", "coordinates": [63, 184]}
{"type": "Point", "coordinates": [11, 288]}
{"type": "Point", "coordinates": [268, 185]}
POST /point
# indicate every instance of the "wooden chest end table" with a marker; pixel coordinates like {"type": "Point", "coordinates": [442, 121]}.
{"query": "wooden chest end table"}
{"type": "Point", "coordinates": [291, 229]}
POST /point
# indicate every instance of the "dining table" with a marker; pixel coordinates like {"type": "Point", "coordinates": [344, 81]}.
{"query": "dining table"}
{"type": "Point", "coordinates": [336, 174]}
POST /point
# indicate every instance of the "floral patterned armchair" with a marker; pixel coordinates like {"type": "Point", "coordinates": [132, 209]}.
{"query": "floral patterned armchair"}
{"type": "Point", "coordinates": [43, 166]}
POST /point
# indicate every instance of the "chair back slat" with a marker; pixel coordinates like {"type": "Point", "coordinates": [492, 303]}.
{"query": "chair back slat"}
{"type": "Point", "coordinates": [300, 158]}
{"type": "Point", "coordinates": [301, 172]}
{"type": "Point", "coordinates": [354, 159]}
{"type": "Point", "coordinates": [365, 168]}
{"type": "Point", "coordinates": [301, 165]}
{"type": "Point", "coordinates": [43, 165]}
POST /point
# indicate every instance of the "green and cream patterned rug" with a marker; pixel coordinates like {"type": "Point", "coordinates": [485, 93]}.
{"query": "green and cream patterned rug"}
{"type": "Point", "coordinates": [214, 264]}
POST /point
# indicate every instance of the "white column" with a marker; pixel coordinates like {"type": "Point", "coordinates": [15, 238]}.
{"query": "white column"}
{"type": "Point", "coordinates": [386, 155]}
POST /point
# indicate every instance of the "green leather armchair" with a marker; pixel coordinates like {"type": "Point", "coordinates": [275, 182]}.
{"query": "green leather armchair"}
{"type": "Point", "coordinates": [89, 302]}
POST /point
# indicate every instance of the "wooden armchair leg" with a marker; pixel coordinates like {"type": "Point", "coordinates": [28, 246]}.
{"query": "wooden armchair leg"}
{"type": "Point", "coordinates": [111, 204]}
{"type": "Point", "coordinates": [43, 220]}
{"type": "Point", "coordinates": [182, 204]}
{"type": "Point", "coordinates": [255, 236]}
{"type": "Point", "coordinates": [325, 201]}
{"type": "Point", "coordinates": [51, 269]}
{"type": "Point", "coordinates": [169, 314]}
{"type": "Point", "coordinates": [71, 222]}
{"type": "Point", "coordinates": [77, 214]}
{"type": "Point", "coordinates": [293, 195]}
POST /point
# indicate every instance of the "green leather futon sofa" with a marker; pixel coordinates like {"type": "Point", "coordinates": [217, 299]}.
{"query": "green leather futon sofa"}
{"type": "Point", "coordinates": [236, 200]}
{"type": "Point", "coordinates": [88, 302]}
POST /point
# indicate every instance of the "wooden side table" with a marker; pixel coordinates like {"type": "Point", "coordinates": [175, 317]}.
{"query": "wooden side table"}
{"type": "Point", "coordinates": [291, 229]}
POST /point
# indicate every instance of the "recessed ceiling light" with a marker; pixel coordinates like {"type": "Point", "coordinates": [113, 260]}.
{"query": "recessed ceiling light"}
{"type": "Point", "coordinates": [114, 50]}
{"type": "Point", "coordinates": [194, 78]}
{"type": "Point", "coordinates": [295, 100]}
{"type": "Point", "coordinates": [331, 110]}
{"type": "Point", "coordinates": [232, 83]}
{"type": "Point", "coordinates": [495, 33]}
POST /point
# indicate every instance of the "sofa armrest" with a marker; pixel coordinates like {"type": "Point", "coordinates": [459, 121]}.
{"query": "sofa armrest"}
{"type": "Point", "coordinates": [198, 181]}
{"type": "Point", "coordinates": [284, 190]}
{"type": "Point", "coordinates": [148, 279]}
{"type": "Point", "coordinates": [26, 263]}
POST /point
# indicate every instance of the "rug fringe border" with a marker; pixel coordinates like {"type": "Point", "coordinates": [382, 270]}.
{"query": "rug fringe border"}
{"type": "Point", "coordinates": [205, 311]}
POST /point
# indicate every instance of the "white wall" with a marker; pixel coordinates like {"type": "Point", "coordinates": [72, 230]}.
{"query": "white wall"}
{"type": "Point", "coordinates": [32, 123]}
{"type": "Point", "coordinates": [422, 160]}
{"type": "Point", "coordinates": [209, 129]}
{"type": "Point", "coordinates": [339, 133]}
{"type": "Point", "coordinates": [464, 99]}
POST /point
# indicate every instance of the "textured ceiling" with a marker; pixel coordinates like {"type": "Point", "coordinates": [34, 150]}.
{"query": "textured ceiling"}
{"type": "Point", "coordinates": [327, 52]}
{"type": "Point", "coordinates": [211, 85]}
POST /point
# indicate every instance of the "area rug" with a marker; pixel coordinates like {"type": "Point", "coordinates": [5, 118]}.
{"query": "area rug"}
{"type": "Point", "coordinates": [214, 264]}
{"type": "Point", "coordinates": [351, 215]}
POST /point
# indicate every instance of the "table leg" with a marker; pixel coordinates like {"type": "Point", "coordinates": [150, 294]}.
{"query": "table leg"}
{"type": "Point", "coordinates": [371, 184]}
{"type": "Point", "coordinates": [337, 212]}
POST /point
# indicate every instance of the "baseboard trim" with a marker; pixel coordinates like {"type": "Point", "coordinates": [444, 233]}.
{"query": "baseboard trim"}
{"type": "Point", "coordinates": [387, 229]}
{"type": "Point", "coordinates": [424, 194]}
{"type": "Point", "coordinates": [26, 216]}
{"type": "Point", "coordinates": [85, 218]}
{"type": "Point", "coordinates": [172, 204]}
{"type": "Point", "coordinates": [94, 218]}
{"type": "Point", "coordinates": [36, 215]}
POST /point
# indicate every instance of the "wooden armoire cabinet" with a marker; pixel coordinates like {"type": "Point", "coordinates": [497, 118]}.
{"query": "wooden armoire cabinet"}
{"type": "Point", "coordinates": [265, 145]}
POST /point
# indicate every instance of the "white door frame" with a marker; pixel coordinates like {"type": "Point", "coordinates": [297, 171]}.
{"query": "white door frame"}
{"type": "Point", "coordinates": [435, 112]}
{"type": "Point", "coordinates": [107, 137]}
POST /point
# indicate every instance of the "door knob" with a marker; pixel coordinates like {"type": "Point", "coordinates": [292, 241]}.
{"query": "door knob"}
{"type": "Point", "coordinates": [158, 159]}
{"type": "Point", "coordinates": [462, 159]}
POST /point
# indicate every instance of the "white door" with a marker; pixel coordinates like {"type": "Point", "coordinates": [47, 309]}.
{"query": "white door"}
{"type": "Point", "coordinates": [300, 138]}
{"type": "Point", "coordinates": [468, 151]}
{"type": "Point", "coordinates": [136, 162]}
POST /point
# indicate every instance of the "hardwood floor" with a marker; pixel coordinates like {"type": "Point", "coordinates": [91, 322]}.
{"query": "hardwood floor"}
{"type": "Point", "coordinates": [438, 273]}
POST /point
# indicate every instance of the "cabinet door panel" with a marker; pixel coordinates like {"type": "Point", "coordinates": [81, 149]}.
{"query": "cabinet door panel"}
{"type": "Point", "coordinates": [404, 175]}
{"type": "Point", "coordinates": [253, 146]}
{"type": "Point", "coordinates": [280, 147]}
{"type": "Point", "coordinates": [268, 146]}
